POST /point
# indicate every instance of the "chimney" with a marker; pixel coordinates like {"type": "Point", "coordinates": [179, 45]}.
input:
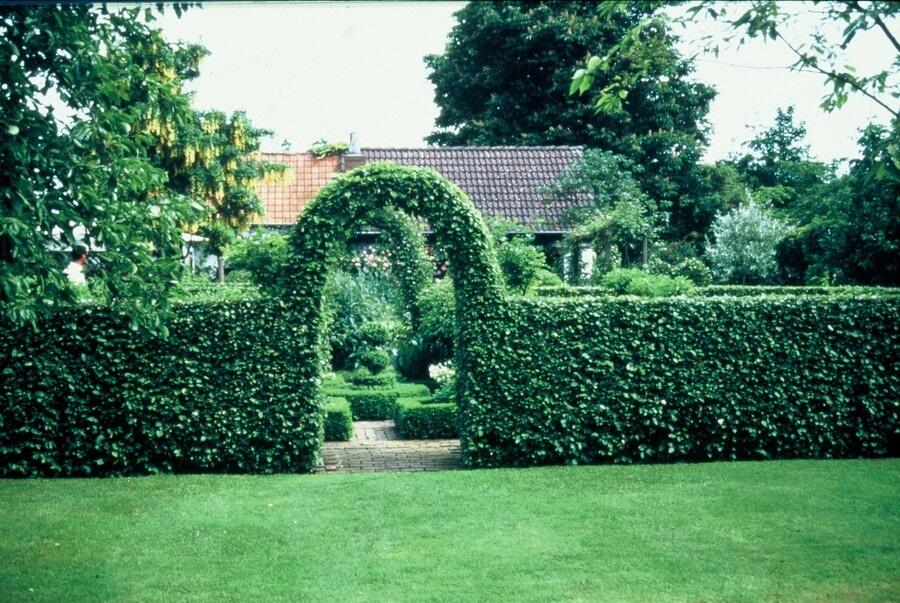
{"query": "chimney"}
{"type": "Point", "coordinates": [354, 157]}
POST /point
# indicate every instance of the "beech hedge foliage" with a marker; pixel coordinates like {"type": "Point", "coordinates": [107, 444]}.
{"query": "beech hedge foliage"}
{"type": "Point", "coordinates": [415, 419]}
{"type": "Point", "coordinates": [611, 379]}
{"type": "Point", "coordinates": [86, 395]}
{"type": "Point", "coordinates": [338, 420]}
{"type": "Point", "coordinates": [731, 290]}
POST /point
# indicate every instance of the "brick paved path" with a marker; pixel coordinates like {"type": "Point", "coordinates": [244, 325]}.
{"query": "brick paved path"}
{"type": "Point", "coordinates": [376, 447]}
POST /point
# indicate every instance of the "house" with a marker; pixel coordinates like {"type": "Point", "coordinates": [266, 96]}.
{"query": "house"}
{"type": "Point", "coordinates": [503, 182]}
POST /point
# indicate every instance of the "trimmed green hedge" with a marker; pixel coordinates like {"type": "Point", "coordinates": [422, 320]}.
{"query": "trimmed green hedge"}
{"type": "Point", "coordinates": [688, 379]}
{"type": "Point", "coordinates": [748, 290]}
{"type": "Point", "coordinates": [371, 404]}
{"type": "Point", "coordinates": [570, 291]}
{"type": "Point", "coordinates": [363, 378]}
{"type": "Point", "coordinates": [338, 420]}
{"type": "Point", "coordinates": [732, 290]}
{"type": "Point", "coordinates": [87, 395]}
{"type": "Point", "coordinates": [417, 421]}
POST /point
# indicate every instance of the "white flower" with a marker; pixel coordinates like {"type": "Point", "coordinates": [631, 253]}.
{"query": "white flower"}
{"type": "Point", "coordinates": [443, 372]}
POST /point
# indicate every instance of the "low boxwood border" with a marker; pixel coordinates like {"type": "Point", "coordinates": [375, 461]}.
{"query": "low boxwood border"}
{"type": "Point", "coordinates": [417, 421]}
{"type": "Point", "coordinates": [338, 420]}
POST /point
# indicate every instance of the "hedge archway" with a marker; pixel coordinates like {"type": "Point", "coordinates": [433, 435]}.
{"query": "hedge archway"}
{"type": "Point", "coordinates": [324, 227]}
{"type": "Point", "coordinates": [411, 267]}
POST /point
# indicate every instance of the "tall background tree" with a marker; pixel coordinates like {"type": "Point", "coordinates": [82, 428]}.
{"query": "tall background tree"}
{"type": "Point", "coordinates": [504, 79]}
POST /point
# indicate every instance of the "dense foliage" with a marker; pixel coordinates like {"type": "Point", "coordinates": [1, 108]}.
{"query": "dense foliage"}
{"type": "Point", "coordinates": [338, 420]}
{"type": "Point", "coordinates": [627, 380]}
{"type": "Point", "coordinates": [415, 419]}
{"type": "Point", "coordinates": [93, 165]}
{"type": "Point", "coordinates": [743, 245]}
{"type": "Point", "coordinates": [375, 403]}
{"type": "Point", "coordinates": [321, 233]}
{"type": "Point", "coordinates": [262, 254]}
{"type": "Point", "coordinates": [86, 395]}
{"type": "Point", "coordinates": [504, 78]}
{"type": "Point", "coordinates": [630, 281]}
{"type": "Point", "coordinates": [827, 50]}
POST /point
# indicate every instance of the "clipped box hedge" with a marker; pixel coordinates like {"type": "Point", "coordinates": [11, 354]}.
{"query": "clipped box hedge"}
{"type": "Point", "coordinates": [684, 379]}
{"type": "Point", "coordinates": [84, 394]}
{"type": "Point", "coordinates": [371, 404]}
{"type": "Point", "coordinates": [338, 420]}
{"type": "Point", "coordinates": [415, 420]}
{"type": "Point", "coordinates": [363, 378]}
{"type": "Point", "coordinates": [755, 290]}
{"type": "Point", "coordinates": [730, 290]}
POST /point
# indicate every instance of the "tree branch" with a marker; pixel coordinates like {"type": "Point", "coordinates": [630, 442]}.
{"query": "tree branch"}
{"type": "Point", "coordinates": [839, 76]}
{"type": "Point", "coordinates": [880, 24]}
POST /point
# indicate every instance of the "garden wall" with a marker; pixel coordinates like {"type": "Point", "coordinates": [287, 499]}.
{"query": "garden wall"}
{"type": "Point", "coordinates": [586, 380]}
{"type": "Point", "coordinates": [86, 395]}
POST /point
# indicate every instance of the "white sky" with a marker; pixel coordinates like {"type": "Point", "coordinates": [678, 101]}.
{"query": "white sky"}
{"type": "Point", "coordinates": [321, 70]}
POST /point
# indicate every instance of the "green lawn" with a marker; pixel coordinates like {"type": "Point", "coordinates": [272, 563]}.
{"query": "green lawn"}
{"type": "Point", "coordinates": [796, 530]}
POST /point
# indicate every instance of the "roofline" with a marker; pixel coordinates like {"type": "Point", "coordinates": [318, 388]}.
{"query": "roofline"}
{"type": "Point", "coordinates": [474, 148]}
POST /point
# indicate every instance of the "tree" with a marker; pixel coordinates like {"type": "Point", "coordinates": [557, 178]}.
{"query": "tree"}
{"type": "Point", "coordinates": [743, 244]}
{"type": "Point", "coordinates": [778, 167]}
{"type": "Point", "coordinates": [223, 167]}
{"type": "Point", "coordinates": [851, 230]}
{"type": "Point", "coordinates": [504, 79]}
{"type": "Point", "coordinates": [769, 20]}
{"type": "Point", "coordinates": [622, 221]}
{"type": "Point", "coordinates": [90, 159]}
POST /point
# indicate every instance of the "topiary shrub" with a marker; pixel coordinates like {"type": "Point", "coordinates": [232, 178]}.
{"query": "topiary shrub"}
{"type": "Point", "coordinates": [338, 420]}
{"type": "Point", "coordinates": [374, 360]}
{"type": "Point", "coordinates": [377, 333]}
{"type": "Point", "coordinates": [364, 378]}
{"type": "Point", "coordinates": [416, 420]}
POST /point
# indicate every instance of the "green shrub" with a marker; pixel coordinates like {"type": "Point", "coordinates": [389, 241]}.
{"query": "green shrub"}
{"type": "Point", "coordinates": [198, 289]}
{"type": "Point", "coordinates": [363, 378]}
{"type": "Point", "coordinates": [375, 360]}
{"type": "Point", "coordinates": [757, 290]}
{"type": "Point", "coordinates": [377, 404]}
{"type": "Point", "coordinates": [630, 281]}
{"type": "Point", "coordinates": [411, 390]}
{"type": "Point", "coordinates": [437, 321]}
{"type": "Point", "coordinates": [444, 394]}
{"type": "Point", "coordinates": [87, 395]}
{"type": "Point", "coordinates": [416, 420]}
{"type": "Point", "coordinates": [733, 290]}
{"type": "Point", "coordinates": [264, 256]}
{"type": "Point", "coordinates": [412, 360]}
{"type": "Point", "coordinates": [625, 380]}
{"type": "Point", "coordinates": [352, 301]}
{"type": "Point", "coordinates": [378, 333]}
{"type": "Point", "coordinates": [691, 268]}
{"type": "Point", "coordinates": [372, 405]}
{"type": "Point", "coordinates": [569, 291]}
{"type": "Point", "coordinates": [338, 420]}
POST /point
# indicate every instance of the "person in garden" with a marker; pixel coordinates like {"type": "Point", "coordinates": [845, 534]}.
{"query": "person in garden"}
{"type": "Point", "coordinates": [75, 270]}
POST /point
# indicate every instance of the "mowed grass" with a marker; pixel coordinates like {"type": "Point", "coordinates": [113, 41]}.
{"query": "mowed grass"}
{"type": "Point", "coordinates": [795, 530]}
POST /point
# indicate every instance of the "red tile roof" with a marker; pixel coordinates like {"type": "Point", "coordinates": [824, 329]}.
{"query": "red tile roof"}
{"type": "Point", "coordinates": [305, 176]}
{"type": "Point", "coordinates": [503, 182]}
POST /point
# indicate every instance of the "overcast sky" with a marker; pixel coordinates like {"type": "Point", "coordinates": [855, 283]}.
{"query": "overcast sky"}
{"type": "Point", "coordinates": [321, 70]}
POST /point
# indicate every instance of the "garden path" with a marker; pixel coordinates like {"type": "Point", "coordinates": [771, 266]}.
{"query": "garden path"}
{"type": "Point", "coordinates": [376, 447]}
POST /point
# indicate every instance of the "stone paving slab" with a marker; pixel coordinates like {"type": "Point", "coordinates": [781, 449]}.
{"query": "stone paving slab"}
{"type": "Point", "coordinates": [376, 447]}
